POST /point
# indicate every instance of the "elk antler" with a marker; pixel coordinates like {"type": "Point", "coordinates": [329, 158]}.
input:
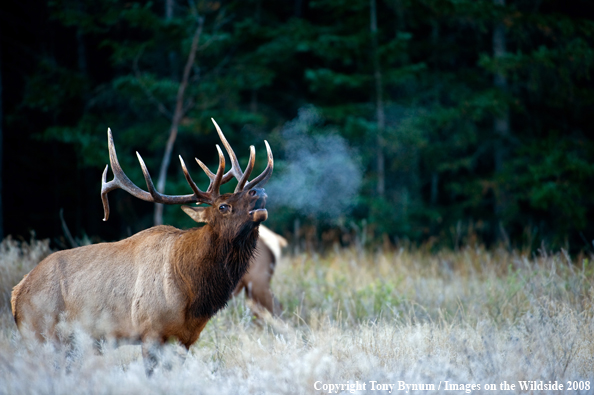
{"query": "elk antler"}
{"type": "Point", "coordinates": [236, 172]}
{"type": "Point", "coordinates": [122, 181]}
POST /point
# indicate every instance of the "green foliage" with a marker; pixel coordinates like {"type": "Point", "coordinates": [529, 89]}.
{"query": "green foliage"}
{"type": "Point", "coordinates": [260, 61]}
{"type": "Point", "coordinates": [552, 176]}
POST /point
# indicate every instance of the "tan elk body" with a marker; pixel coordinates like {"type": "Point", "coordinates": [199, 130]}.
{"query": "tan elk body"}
{"type": "Point", "coordinates": [128, 289]}
{"type": "Point", "coordinates": [157, 284]}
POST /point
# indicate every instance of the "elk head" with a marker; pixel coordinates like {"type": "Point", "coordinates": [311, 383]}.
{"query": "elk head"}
{"type": "Point", "coordinates": [230, 214]}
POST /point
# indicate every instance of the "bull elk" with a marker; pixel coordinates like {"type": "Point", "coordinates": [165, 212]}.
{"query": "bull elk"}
{"type": "Point", "coordinates": [160, 283]}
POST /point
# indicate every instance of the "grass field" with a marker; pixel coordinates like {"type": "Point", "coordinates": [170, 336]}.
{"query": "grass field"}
{"type": "Point", "coordinates": [405, 317]}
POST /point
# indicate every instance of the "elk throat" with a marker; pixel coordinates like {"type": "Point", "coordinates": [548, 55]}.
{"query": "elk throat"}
{"type": "Point", "coordinates": [208, 279]}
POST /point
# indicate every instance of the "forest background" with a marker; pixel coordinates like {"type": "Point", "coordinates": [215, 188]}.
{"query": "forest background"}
{"type": "Point", "coordinates": [435, 121]}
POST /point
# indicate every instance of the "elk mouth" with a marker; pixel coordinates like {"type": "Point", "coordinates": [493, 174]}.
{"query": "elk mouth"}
{"type": "Point", "coordinates": [258, 213]}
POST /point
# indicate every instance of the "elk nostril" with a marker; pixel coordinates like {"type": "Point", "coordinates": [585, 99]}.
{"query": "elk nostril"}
{"type": "Point", "coordinates": [252, 193]}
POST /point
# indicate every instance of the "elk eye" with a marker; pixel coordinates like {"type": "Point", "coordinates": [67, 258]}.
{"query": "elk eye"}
{"type": "Point", "coordinates": [223, 208]}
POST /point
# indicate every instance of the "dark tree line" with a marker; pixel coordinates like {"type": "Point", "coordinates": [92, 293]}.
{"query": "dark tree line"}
{"type": "Point", "coordinates": [466, 119]}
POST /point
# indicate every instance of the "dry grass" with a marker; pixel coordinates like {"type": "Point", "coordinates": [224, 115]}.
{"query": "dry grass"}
{"type": "Point", "coordinates": [16, 259]}
{"type": "Point", "coordinates": [471, 317]}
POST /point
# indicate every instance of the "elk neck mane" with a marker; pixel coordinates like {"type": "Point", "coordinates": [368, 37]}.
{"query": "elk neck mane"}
{"type": "Point", "coordinates": [208, 266]}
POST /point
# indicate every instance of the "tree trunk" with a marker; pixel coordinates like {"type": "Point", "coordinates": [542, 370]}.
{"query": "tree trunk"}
{"type": "Point", "coordinates": [501, 125]}
{"type": "Point", "coordinates": [501, 122]}
{"type": "Point", "coordinates": [177, 117]}
{"type": "Point", "coordinates": [158, 214]}
{"type": "Point", "coordinates": [379, 101]}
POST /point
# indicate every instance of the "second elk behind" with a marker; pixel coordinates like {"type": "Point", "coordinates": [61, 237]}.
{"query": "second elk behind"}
{"type": "Point", "coordinates": [256, 282]}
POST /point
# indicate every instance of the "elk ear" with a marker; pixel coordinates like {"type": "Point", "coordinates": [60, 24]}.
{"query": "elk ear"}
{"type": "Point", "coordinates": [198, 214]}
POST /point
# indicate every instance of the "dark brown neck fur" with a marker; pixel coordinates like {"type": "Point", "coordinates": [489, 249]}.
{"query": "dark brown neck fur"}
{"type": "Point", "coordinates": [208, 267]}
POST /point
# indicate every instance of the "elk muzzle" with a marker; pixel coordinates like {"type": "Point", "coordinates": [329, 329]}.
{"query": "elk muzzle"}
{"type": "Point", "coordinates": [258, 212]}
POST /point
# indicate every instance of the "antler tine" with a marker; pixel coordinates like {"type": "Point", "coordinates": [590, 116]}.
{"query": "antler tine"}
{"type": "Point", "coordinates": [248, 170]}
{"type": "Point", "coordinates": [158, 197]}
{"type": "Point", "coordinates": [104, 194]}
{"type": "Point", "coordinates": [235, 170]}
{"type": "Point", "coordinates": [263, 178]}
{"type": "Point", "coordinates": [120, 179]}
{"type": "Point", "coordinates": [217, 181]}
{"type": "Point", "coordinates": [212, 176]}
{"type": "Point", "coordinates": [191, 182]}
{"type": "Point", "coordinates": [209, 173]}
{"type": "Point", "coordinates": [147, 178]}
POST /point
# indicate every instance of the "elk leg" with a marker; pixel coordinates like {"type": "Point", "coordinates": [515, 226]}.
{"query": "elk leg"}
{"type": "Point", "coordinates": [277, 306]}
{"type": "Point", "coordinates": [72, 352]}
{"type": "Point", "coordinates": [173, 355]}
{"type": "Point", "coordinates": [99, 345]}
{"type": "Point", "coordinates": [150, 355]}
{"type": "Point", "coordinates": [257, 280]}
{"type": "Point", "coordinates": [261, 294]}
{"type": "Point", "coordinates": [182, 354]}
